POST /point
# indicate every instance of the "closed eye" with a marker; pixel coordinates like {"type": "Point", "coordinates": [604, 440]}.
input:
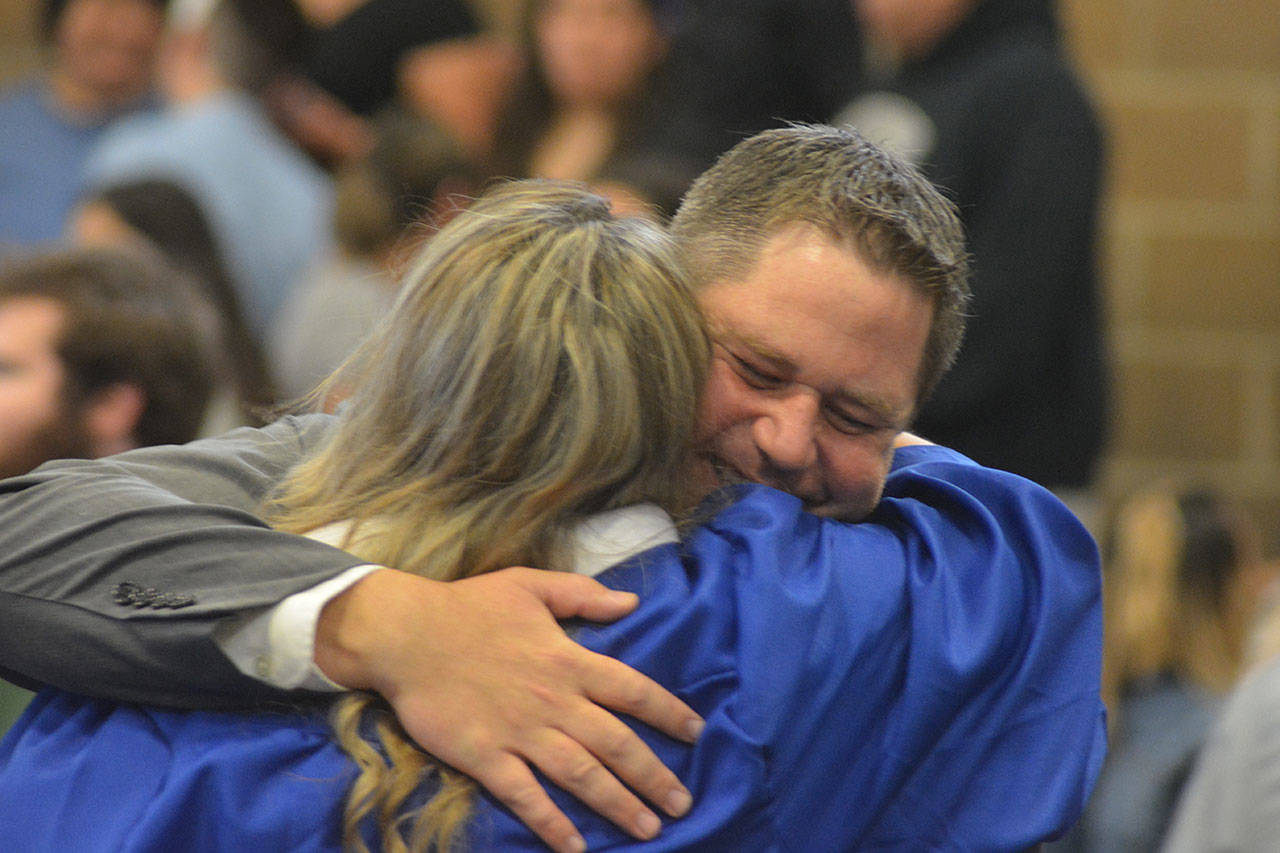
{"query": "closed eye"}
{"type": "Point", "coordinates": [756, 377]}
{"type": "Point", "coordinates": [848, 424]}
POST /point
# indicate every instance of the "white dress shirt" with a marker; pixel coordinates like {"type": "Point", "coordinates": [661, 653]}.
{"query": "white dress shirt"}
{"type": "Point", "coordinates": [277, 646]}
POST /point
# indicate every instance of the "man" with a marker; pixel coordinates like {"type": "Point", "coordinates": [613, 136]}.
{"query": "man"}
{"type": "Point", "coordinates": [833, 280]}
{"type": "Point", "coordinates": [99, 353]}
{"type": "Point", "coordinates": [101, 54]}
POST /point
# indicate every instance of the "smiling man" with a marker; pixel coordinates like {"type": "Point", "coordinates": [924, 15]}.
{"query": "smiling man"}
{"type": "Point", "coordinates": [815, 371]}
{"type": "Point", "coordinates": [834, 282]}
{"type": "Point", "coordinates": [833, 278]}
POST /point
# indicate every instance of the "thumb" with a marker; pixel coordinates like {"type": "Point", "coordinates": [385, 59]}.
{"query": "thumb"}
{"type": "Point", "coordinates": [570, 596]}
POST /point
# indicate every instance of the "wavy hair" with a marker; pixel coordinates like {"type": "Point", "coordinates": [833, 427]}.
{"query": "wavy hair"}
{"type": "Point", "coordinates": [1173, 557]}
{"type": "Point", "coordinates": [542, 363]}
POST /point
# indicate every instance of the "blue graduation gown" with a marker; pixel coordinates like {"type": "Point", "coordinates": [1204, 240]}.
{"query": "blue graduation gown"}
{"type": "Point", "coordinates": [927, 680]}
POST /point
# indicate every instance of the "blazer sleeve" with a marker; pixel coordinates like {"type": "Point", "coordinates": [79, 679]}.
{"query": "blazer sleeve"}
{"type": "Point", "coordinates": [114, 572]}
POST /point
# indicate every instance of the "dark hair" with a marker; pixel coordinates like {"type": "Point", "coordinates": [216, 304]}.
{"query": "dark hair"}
{"type": "Point", "coordinates": [1211, 543]}
{"type": "Point", "coordinates": [253, 42]}
{"type": "Point", "coordinates": [391, 189]}
{"type": "Point", "coordinates": [51, 13]}
{"type": "Point", "coordinates": [836, 180]}
{"type": "Point", "coordinates": [171, 219]}
{"type": "Point", "coordinates": [129, 319]}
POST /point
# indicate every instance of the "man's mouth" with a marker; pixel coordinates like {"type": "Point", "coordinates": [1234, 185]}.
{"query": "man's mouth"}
{"type": "Point", "coordinates": [727, 475]}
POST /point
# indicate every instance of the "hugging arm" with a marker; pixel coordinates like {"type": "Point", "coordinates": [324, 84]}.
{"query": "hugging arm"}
{"type": "Point", "coordinates": [115, 575]}
{"type": "Point", "coordinates": [945, 657]}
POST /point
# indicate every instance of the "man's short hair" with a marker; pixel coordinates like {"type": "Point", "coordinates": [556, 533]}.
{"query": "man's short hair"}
{"type": "Point", "coordinates": [128, 319]}
{"type": "Point", "coordinates": [252, 42]}
{"type": "Point", "coordinates": [836, 180]}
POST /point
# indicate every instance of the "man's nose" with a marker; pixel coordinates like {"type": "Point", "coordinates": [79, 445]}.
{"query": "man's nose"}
{"type": "Point", "coordinates": [785, 433]}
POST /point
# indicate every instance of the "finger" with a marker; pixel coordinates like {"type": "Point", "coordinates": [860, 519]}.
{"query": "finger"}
{"type": "Point", "coordinates": [625, 755]}
{"type": "Point", "coordinates": [570, 596]}
{"type": "Point", "coordinates": [511, 781]}
{"type": "Point", "coordinates": [615, 685]}
{"type": "Point", "coordinates": [564, 761]}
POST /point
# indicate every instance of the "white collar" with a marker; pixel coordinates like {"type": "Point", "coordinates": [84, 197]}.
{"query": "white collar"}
{"type": "Point", "coordinates": [607, 538]}
{"type": "Point", "coordinates": [596, 543]}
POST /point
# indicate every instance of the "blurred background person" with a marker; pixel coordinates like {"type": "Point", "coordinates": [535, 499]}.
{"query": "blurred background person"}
{"type": "Point", "coordinates": [636, 96]}
{"type": "Point", "coordinates": [99, 60]}
{"type": "Point", "coordinates": [732, 68]}
{"type": "Point", "coordinates": [100, 351]}
{"type": "Point", "coordinates": [268, 203]}
{"type": "Point", "coordinates": [352, 62]}
{"type": "Point", "coordinates": [385, 203]}
{"type": "Point", "coordinates": [588, 83]}
{"type": "Point", "coordinates": [1184, 573]}
{"type": "Point", "coordinates": [981, 95]}
{"type": "Point", "coordinates": [358, 47]}
{"type": "Point", "coordinates": [1232, 801]}
{"type": "Point", "coordinates": [161, 216]}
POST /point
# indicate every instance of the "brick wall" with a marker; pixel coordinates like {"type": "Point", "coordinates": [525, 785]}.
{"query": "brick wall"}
{"type": "Point", "coordinates": [1191, 93]}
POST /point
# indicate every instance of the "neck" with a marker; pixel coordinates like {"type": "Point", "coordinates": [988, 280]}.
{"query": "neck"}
{"type": "Point", "coordinates": [77, 98]}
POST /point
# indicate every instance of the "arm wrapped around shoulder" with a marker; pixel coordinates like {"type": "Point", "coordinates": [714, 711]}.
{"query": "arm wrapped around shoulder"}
{"type": "Point", "coordinates": [931, 675]}
{"type": "Point", "coordinates": [114, 572]}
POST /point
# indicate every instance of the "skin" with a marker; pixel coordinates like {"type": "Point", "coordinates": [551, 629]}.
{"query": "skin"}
{"type": "Point", "coordinates": [814, 378]}
{"type": "Point", "coordinates": [35, 425]}
{"type": "Point", "coordinates": [597, 52]}
{"type": "Point", "coordinates": [911, 28]}
{"type": "Point", "coordinates": [814, 373]}
{"type": "Point", "coordinates": [596, 55]}
{"type": "Point", "coordinates": [105, 52]}
{"type": "Point", "coordinates": [96, 223]}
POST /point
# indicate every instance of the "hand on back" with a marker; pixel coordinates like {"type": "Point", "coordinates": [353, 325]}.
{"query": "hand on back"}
{"type": "Point", "coordinates": [481, 675]}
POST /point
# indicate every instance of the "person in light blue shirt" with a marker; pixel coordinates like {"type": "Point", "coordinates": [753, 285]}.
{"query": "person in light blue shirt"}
{"type": "Point", "coordinates": [100, 60]}
{"type": "Point", "coordinates": [269, 205]}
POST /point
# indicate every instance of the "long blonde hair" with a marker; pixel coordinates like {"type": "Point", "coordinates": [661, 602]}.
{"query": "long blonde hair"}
{"type": "Point", "coordinates": [542, 363]}
{"type": "Point", "coordinates": [1174, 560]}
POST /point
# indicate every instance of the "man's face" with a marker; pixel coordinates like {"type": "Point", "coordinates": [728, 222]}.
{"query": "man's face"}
{"type": "Point", "coordinates": [597, 52]}
{"type": "Point", "coordinates": [814, 372]}
{"type": "Point", "coordinates": [35, 425]}
{"type": "Point", "coordinates": [109, 46]}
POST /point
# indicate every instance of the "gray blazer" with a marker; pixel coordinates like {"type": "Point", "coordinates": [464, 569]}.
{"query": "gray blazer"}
{"type": "Point", "coordinates": [114, 572]}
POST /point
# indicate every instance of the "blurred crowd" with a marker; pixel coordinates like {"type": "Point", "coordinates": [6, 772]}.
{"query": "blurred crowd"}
{"type": "Point", "coordinates": [205, 205]}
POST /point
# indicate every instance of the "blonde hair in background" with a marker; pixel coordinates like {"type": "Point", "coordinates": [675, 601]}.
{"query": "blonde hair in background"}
{"type": "Point", "coordinates": [1179, 579]}
{"type": "Point", "coordinates": [542, 363]}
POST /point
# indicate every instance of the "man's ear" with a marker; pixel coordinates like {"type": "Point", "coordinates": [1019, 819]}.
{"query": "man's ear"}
{"type": "Point", "coordinates": [111, 417]}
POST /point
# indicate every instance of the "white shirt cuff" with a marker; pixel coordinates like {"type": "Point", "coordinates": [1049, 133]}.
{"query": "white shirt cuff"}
{"type": "Point", "coordinates": [277, 646]}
